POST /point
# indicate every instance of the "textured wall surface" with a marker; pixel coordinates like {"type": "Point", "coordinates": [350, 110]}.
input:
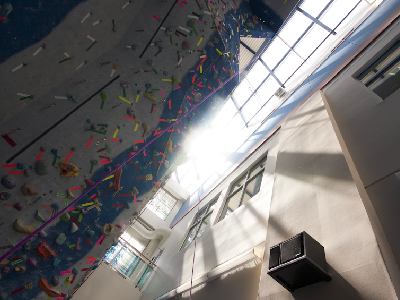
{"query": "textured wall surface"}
{"type": "Point", "coordinates": [314, 192]}
{"type": "Point", "coordinates": [242, 230]}
{"type": "Point", "coordinates": [58, 125]}
{"type": "Point", "coordinates": [369, 129]}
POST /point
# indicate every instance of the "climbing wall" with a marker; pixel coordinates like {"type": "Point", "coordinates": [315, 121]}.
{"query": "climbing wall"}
{"type": "Point", "coordinates": [95, 116]}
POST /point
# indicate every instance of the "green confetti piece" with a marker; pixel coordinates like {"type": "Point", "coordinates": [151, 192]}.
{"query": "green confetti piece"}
{"type": "Point", "coordinates": [158, 52]}
{"type": "Point", "coordinates": [75, 211]}
{"type": "Point", "coordinates": [102, 125]}
{"type": "Point", "coordinates": [80, 218]}
{"type": "Point", "coordinates": [71, 246]}
{"type": "Point", "coordinates": [61, 195]}
{"type": "Point", "coordinates": [155, 71]}
{"type": "Point", "coordinates": [23, 98]}
{"type": "Point", "coordinates": [170, 39]}
{"type": "Point", "coordinates": [123, 91]}
{"type": "Point", "coordinates": [66, 202]}
{"type": "Point", "coordinates": [102, 104]}
{"type": "Point", "coordinates": [38, 224]}
{"type": "Point", "coordinates": [101, 132]}
{"type": "Point", "coordinates": [61, 61]}
{"type": "Point", "coordinates": [113, 23]}
{"type": "Point", "coordinates": [54, 160]}
{"type": "Point", "coordinates": [66, 284]}
{"type": "Point", "coordinates": [91, 45]}
{"type": "Point", "coordinates": [17, 261]}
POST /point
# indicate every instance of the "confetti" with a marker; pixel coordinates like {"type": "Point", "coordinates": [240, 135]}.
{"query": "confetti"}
{"type": "Point", "coordinates": [123, 99]}
{"type": "Point", "coordinates": [85, 17]}
{"type": "Point", "coordinates": [69, 155]}
{"type": "Point", "coordinates": [18, 67]}
{"type": "Point", "coordinates": [9, 140]}
{"type": "Point", "coordinates": [15, 172]}
{"type": "Point", "coordinates": [37, 51]}
{"type": "Point", "coordinates": [10, 166]}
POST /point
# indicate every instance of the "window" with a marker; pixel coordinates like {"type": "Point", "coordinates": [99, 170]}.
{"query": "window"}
{"type": "Point", "coordinates": [290, 57]}
{"type": "Point", "coordinates": [125, 257]}
{"type": "Point", "coordinates": [162, 204]}
{"type": "Point", "coordinates": [245, 188]}
{"type": "Point", "coordinates": [382, 75]}
{"type": "Point", "coordinates": [200, 222]}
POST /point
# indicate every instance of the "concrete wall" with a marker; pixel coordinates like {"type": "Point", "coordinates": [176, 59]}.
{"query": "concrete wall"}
{"type": "Point", "coordinates": [314, 192]}
{"type": "Point", "coordinates": [369, 130]}
{"type": "Point", "coordinates": [244, 229]}
{"type": "Point", "coordinates": [106, 284]}
{"type": "Point", "coordinates": [238, 284]}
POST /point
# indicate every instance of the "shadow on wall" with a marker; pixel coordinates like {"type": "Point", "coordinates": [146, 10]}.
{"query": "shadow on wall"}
{"type": "Point", "coordinates": [241, 284]}
{"type": "Point", "coordinates": [337, 288]}
{"type": "Point", "coordinates": [313, 164]}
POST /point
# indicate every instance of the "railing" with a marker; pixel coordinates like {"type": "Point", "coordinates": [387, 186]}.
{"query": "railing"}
{"type": "Point", "coordinates": [129, 263]}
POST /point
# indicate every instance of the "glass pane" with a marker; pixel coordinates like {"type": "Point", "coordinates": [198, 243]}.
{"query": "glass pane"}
{"type": "Point", "coordinates": [225, 115]}
{"type": "Point", "coordinates": [288, 66]}
{"type": "Point", "coordinates": [188, 178]}
{"type": "Point", "coordinates": [314, 7]}
{"type": "Point", "coordinates": [238, 183]}
{"type": "Point", "coordinates": [190, 237]}
{"type": "Point", "coordinates": [252, 188]}
{"type": "Point", "coordinates": [355, 15]}
{"type": "Point", "coordinates": [257, 74]}
{"type": "Point", "coordinates": [124, 261]}
{"type": "Point", "coordinates": [144, 276]}
{"type": "Point", "coordinates": [183, 169]}
{"type": "Point", "coordinates": [231, 204]}
{"type": "Point", "coordinates": [274, 53]}
{"type": "Point", "coordinates": [212, 205]}
{"type": "Point", "coordinates": [311, 40]}
{"type": "Point", "coordinates": [202, 213]}
{"type": "Point", "coordinates": [250, 108]}
{"type": "Point", "coordinates": [337, 12]}
{"type": "Point", "coordinates": [241, 93]}
{"type": "Point", "coordinates": [112, 252]}
{"type": "Point", "coordinates": [203, 225]}
{"type": "Point", "coordinates": [386, 86]}
{"type": "Point", "coordinates": [259, 166]}
{"type": "Point", "coordinates": [294, 28]}
{"type": "Point", "coordinates": [267, 89]}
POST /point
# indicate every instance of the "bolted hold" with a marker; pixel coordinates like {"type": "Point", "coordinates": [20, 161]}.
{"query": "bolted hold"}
{"type": "Point", "coordinates": [170, 31]}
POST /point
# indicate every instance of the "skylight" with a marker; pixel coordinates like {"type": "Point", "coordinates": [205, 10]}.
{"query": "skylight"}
{"type": "Point", "coordinates": [286, 62]}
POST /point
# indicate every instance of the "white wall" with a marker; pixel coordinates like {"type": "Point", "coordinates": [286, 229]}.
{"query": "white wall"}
{"type": "Point", "coordinates": [314, 192]}
{"type": "Point", "coordinates": [244, 229]}
{"type": "Point", "coordinates": [369, 130]}
{"type": "Point", "coordinates": [105, 284]}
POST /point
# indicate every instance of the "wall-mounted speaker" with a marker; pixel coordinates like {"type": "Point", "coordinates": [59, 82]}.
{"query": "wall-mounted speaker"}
{"type": "Point", "coordinates": [298, 262]}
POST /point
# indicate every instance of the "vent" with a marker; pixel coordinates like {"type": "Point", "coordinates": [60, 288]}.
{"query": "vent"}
{"type": "Point", "coordinates": [280, 93]}
{"type": "Point", "coordinates": [291, 249]}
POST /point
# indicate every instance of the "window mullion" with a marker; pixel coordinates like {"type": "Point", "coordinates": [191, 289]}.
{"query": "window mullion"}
{"type": "Point", "coordinates": [243, 188]}
{"type": "Point", "coordinates": [271, 72]}
{"type": "Point", "coordinates": [316, 21]}
{"type": "Point", "coordinates": [238, 110]}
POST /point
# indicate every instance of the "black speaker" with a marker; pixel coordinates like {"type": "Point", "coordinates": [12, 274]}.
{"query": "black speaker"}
{"type": "Point", "coordinates": [298, 262]}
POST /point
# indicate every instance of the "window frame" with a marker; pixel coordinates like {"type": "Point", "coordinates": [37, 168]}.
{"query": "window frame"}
{"type": "Point", "coordinates": [232, 192]}
{"type": "Point", "coordinates": [194, 223]}
{"type": "Point", "coordinates": [150, 204]}
{"type": "Point", "coordinates": [375, 62]}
